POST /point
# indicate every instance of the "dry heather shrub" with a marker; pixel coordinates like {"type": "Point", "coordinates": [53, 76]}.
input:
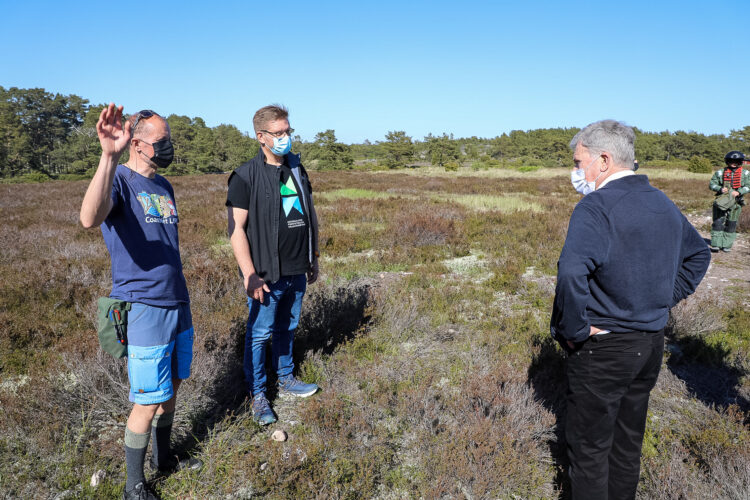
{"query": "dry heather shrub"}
{"type": "Point", "coordinates": [490, 441]}
{"type": "Point", "coordinates": [426, 226]}
{"type": "Point", "coordinates": [673, 475]}
{"type": "Point", "coordinates": [691, 450]}
{"type": "Point", "coordinates": [93, 379]}
{"type": "Point", "coordinates": [61, 422]}
{"type": "Point", "coordinates": [696, 458]}
{"type": "Point", "coordinates": [729, 472]}
{"type": "Point", "coordinates": [743, 226]}
{"type": "Point", "coordinates": [696, 316]}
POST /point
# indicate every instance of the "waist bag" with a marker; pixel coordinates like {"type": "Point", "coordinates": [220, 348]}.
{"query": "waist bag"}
{"type": "Point", "coordinates": [112, 317]}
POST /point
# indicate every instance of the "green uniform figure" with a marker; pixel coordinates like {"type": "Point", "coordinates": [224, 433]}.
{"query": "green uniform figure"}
{"type": "Point", "coordinates": [735, 180]}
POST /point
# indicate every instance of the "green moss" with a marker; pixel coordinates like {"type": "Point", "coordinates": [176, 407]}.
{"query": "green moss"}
{"type": "Point", "coordinates": [650, 447]}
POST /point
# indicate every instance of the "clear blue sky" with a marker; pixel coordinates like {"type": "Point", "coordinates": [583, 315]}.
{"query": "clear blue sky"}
{"type": "Point", "coordinates": [364, 68]}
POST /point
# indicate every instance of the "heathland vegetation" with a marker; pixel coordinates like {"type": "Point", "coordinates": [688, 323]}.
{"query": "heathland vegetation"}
{"type": "Point", "coordinates": [428, 330]}
{"type": "Point", "coordinates": [428, 333]}
{"type": "Point", "coordinates": [45, 135]}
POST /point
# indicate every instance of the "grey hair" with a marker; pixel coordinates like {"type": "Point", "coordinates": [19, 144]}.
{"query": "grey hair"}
{"type": "Point", "coordinates": [611, 136]}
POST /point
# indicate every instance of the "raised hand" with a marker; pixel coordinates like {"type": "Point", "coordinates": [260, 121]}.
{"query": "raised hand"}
{"type": "Point", "coordinates": [113, 137]}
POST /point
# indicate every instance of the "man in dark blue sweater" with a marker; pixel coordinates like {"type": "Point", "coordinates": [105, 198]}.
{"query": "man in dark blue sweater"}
{"type": "Point", "coordinates": [629, 256]}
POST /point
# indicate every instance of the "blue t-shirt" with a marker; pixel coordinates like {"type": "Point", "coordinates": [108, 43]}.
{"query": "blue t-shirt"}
{"type": "Point", "coordinates": [141, 235]}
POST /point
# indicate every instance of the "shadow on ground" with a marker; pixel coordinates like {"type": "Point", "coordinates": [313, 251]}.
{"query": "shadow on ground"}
{"type": "Point", "coordinates": [705, 372]}
{"type": "Point", "coordinates": [546, 376]}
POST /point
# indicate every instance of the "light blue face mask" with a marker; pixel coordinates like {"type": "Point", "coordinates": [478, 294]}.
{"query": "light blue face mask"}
{"type": "Point", "coordinates": [578, 179]}
{"type": "Point", "coordinates": [281, 145]}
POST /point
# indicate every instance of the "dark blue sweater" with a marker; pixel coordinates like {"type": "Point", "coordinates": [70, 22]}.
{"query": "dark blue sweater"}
{"type": "Point", "coordinates": [630, 255]}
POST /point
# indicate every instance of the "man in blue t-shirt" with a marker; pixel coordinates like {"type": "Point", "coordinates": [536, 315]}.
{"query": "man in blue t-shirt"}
{"type": "Point", "coordinates": [630, 255]}
{"type": "Point", "coordinates": [274, 234]}
{"type": "Point", "coordinates": [138, 216]}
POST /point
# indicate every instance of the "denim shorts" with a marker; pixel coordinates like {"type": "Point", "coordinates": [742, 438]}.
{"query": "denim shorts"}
{"type": "Point", "coordinates": [160, 348]}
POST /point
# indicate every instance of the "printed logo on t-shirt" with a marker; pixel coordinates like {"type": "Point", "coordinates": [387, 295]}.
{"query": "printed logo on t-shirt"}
{"type": "Point", "coordinates": [158, 208]}
{"type": "Point", "coordinates": [290, 201]}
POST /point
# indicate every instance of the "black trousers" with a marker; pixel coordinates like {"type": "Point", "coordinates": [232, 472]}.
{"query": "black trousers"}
{"type": "Point", "coordinates": [610, 378]}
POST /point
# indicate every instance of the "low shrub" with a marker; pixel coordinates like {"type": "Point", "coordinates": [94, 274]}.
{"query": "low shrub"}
{"type": "Point", "coordinates": [30, 177]}
{"type": "Point", "coordinates": [700, 165]}
{"type": "Point", "coordinates": [743, 225]}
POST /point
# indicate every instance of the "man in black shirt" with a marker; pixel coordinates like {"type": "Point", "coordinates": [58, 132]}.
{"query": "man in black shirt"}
{"type": "Point", "coordinates": [274, 234]}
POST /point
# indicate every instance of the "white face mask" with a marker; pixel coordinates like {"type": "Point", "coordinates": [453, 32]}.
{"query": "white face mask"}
{"type": "Point", "coordinates": [578, 179]}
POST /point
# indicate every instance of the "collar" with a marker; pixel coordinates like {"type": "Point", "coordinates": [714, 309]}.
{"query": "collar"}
{"type": "Point", "coordinates": [615, 176]}
{"type": "Point", "coordinates": [291, 160]}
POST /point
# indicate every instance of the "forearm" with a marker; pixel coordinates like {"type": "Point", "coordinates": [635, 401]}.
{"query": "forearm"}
{"type": "Point", "coordinates": [569, 317]}
{"type": "Point", "coordinates": [694, 265]}
{"type": "Point", "coordinates": [97, 202]}
{"type": "Point", "coordinates": [241, 249]}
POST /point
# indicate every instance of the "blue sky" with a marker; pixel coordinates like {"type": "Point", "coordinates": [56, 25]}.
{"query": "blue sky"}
{"type": "Point", "coordinates": [364, 68]}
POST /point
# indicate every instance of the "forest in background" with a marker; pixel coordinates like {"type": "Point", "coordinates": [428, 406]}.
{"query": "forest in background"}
{"type": "Point", "coordinates": [49, 135]}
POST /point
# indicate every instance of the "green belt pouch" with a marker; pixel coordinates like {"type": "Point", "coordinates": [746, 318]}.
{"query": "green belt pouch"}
{"type": "Point", "coordinates": [113, 325]}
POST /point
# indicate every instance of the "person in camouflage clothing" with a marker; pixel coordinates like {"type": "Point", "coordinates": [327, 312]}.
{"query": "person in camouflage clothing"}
{"type": "Point", "coordinates": [735, 180]}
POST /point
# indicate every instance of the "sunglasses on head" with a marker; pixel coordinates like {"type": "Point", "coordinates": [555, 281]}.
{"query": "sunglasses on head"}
{"type": "Point", "coordinates": [144, 113]}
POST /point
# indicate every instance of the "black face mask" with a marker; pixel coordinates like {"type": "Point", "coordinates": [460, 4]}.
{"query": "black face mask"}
{"type": "Point", "coordinates": [163, 153]}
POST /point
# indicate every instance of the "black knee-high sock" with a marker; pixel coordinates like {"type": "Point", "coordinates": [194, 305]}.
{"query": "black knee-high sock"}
{"type": "Point", "coordinates": [135, 454]}
{"type": "Point", "coordinates": [161, 431]}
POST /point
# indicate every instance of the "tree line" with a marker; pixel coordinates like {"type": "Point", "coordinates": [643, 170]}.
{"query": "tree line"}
{"type": "Point", "coordinates": [50, 134]}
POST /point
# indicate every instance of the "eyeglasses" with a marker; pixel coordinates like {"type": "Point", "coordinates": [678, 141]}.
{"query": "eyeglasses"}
{"type": "Point", "coordinates": [279, 134]}
{"type": "Point", "coordinates": [144, 113]}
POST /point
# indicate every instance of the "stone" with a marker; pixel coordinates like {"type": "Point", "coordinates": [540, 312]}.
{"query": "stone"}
{"type": "Point", "coordinates": [97, 478]}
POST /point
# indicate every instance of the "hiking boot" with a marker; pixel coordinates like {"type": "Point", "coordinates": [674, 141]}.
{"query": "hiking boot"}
{"type": "Point", "coordinates": [714, 249]}
{"type": "Point", "coordinates": [139, 492]}
{"type": "Point", "coordinates": [291, 385]}
{"type": "Point", "coordinates": [262, 412]}
{"type": "Point", "coordinates": [175, 465]}
{"type": "Point", "coordinates": [727, 250]}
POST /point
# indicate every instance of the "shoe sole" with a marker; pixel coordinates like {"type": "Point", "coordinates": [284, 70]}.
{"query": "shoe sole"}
{"type": "Point", "coordinates": [299, 395]}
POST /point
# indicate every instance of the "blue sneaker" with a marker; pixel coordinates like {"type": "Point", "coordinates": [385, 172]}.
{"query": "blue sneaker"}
{"type": "Point", "coordinates": [262, 412]}
{"type": "Point", "coordinates": [291, 385]}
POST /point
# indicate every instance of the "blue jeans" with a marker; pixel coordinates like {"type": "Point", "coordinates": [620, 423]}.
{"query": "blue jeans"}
{"type": "Point", "coordinates": [276, 317]}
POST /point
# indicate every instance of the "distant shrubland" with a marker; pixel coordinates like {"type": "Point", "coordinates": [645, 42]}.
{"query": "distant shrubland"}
{"type": "Point", "coordinates": [45, 135]}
